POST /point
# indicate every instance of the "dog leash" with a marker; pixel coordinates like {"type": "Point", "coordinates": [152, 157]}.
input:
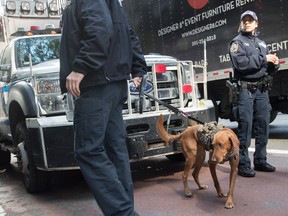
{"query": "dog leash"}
{"type": "Point", "coordinates": [168, 120]}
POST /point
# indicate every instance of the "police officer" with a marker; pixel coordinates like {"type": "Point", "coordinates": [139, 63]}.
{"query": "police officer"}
{"type": "Point", "coordinates": [99, 52]}
{"type": "Point", "coordinates": [252, 65]}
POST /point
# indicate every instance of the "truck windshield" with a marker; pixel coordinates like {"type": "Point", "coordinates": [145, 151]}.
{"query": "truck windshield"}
{"type": "Point", "coordinates": [42, 49]}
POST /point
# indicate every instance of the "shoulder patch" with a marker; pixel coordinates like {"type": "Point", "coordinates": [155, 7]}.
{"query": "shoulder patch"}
{"type": "Point", "coordinates": [234, 47]}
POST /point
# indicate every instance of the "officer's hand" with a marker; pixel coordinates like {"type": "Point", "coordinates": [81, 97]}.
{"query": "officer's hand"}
{"type": "Point", "coordinates": [73, 83]}
{"type": "Point", "coordinates": [137, 81]}
{"type": "Point", "coordinates": [276, 62]}
{"type": "Point", "coordinates": [272, 58]}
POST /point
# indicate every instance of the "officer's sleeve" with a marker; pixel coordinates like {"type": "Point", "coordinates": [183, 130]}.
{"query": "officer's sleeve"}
{"type": "Point", "coordinates": [139, 67]}
{"type": "Point", "coordinates": [243, 62]}
{"type": "Point", "coordinates": [96, 23]}
{"type": "Point", "coordinates": [272, 68]}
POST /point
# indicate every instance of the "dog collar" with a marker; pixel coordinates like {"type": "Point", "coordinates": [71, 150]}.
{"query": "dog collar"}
{"type": "Point", "coordinates": [230, 154]}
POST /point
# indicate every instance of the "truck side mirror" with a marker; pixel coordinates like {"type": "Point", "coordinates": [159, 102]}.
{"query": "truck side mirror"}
{"type": "Point", "coordinates": [5, 72]}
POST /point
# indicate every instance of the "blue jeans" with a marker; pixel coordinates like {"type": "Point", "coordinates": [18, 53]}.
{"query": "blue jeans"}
{"type": "Point", "coordinates": [100, 147]}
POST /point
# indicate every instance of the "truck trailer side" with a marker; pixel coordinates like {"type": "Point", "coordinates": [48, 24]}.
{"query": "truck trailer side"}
{"type": "Point", "coordinates": [179, 28]}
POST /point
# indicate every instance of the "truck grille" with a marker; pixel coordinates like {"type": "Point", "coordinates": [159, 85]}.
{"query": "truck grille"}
{"type": "Point", "coordinates": [166, 85]}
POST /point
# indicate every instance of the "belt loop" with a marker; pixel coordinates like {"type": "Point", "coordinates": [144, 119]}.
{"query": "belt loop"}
{"type": "Point", "coordinates": [243, 84]}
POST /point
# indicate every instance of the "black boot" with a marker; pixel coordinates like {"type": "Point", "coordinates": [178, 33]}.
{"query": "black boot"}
{"type": "Point", "coordinates": [264, 167]}
{"type": "Point", "coordinates": [246, 172]}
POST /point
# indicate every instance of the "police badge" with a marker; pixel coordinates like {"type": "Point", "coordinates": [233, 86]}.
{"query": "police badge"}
{"type": "Point", "coordinates": [234, 47]}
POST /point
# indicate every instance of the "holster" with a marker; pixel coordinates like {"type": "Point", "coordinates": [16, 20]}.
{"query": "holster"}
{"type": "Point", "coordinates": [233, 91]}
{"type": "Point", "coordinates": [263, 85]}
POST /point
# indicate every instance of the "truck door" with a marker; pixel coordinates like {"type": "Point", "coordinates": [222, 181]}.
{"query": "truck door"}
{"type": "Point", "coordinates": [5, 63]}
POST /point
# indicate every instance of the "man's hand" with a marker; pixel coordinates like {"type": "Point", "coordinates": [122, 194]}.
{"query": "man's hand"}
{"type": "Point", "coordinates": [73, 83]}
{"type": "Point", "coordinates": [137, 82]}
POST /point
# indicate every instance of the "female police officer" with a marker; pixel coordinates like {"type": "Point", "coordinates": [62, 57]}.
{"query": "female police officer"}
{"type": "Point", "coordinates": [252, 65]}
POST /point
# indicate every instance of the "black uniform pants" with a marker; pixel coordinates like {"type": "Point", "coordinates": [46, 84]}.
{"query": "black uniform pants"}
{"type": "Point", "coordinates": [253, 111]}
{"type": "Point", "coordinates": [100, 147]}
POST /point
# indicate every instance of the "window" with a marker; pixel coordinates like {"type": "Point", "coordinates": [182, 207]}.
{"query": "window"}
{"type": "Point", "coordinates": [1, 31]}
{"type": "Point", "coordinates": [42, 49]}
{"type": "Point", "coordinates": [5, 60]}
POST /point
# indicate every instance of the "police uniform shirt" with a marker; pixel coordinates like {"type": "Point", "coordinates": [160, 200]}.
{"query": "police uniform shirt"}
{"type": "Point", "coordinates": [248, 56]}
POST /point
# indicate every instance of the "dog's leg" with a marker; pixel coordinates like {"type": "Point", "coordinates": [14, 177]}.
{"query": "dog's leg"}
{"type": "Point", "coordinates": [212, 167]}
{"type": "Point", "coordinates": [188, 166]}
{"type": "Point", "coordinates": [234, 166]}
{"type": "Point", "coordinates": [200, 158]}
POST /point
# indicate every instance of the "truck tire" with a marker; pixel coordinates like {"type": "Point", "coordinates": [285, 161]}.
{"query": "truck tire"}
{"type": "Point", "coordinates": [5, 158]}
{"type": "Point", "coordinates": [34, 180]}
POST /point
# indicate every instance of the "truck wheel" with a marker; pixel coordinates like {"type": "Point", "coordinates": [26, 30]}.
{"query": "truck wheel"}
{"type": "Point", "coordinates": [34, 180]}
{"type": "Point", "coordinates": [5, 158]}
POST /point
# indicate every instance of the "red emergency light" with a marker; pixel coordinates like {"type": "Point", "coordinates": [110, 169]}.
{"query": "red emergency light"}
{"type": "Point", "coordinates": [187, 88]}
{"type": "Point", "coordinates": [33, 28]}
{"type": "Point", "coordinates": [160, 68]}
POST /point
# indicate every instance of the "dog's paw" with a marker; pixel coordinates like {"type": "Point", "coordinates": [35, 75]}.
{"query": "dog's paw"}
{"type": "Point", "coordinates": [229, 205]}
{"type": "Point", "coordinates": [203, 187]}
{"type": "Point", "coordinates": [188, 193]}
{"type": "Point", "coordinates": [221, 194]}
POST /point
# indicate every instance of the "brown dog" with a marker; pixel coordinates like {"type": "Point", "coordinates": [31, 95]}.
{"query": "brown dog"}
{"type": "Point", "coordinates": [225, 147]}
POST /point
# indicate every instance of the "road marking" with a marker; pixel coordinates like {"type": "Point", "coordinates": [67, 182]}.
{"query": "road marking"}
{"type": "Point", "coordinates": [2, 212]}
{"type": "Point", "coordinates": [273, 151]}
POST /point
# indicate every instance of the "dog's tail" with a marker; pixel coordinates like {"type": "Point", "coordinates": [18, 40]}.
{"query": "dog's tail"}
{"type": "Point", "coordinates": [163, 134]}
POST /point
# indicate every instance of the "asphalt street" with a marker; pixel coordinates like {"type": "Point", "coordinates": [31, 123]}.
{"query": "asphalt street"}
{"type": "Point", "coordinates": [158, 188]}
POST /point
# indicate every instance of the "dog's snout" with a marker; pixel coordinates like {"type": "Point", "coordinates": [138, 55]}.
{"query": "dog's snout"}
{"type": "Point", "coordinates": [216, 158]}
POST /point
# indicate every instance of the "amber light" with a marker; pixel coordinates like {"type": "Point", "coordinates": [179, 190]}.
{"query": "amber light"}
{"type": "Point", "coordinates": [160, 68]}
{"type": "Point", "coordinates": [187, 88]}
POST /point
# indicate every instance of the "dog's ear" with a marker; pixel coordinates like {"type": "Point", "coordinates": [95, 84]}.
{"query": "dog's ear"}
{"type": "Point", "coordinates": [233, 138]}
{"type": "Point", "coordinates": [234, 141]}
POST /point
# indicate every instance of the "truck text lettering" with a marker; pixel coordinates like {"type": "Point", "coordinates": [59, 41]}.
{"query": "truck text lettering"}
{"type": "Point", "coordinates": [224, 58]}
{"type": "Point", "coordinates": [274, 47]}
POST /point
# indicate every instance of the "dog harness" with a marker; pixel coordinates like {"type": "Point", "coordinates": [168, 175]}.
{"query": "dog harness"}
{"type": "Point", "coordinates": [207, 132]}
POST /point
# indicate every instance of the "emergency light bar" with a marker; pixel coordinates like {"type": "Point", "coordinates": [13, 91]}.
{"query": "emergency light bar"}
{"type": "Point", "coordinates": [35, 30]}
{"type": "Point", "coordinates": [41, 8]}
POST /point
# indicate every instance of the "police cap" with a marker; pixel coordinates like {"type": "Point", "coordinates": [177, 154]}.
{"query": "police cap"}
{"type": "Point", "coordinates": [249, 13]}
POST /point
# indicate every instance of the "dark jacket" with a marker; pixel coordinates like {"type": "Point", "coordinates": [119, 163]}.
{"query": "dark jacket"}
{"type": "Point", "coordinates": [98, 42]}
{"type": "Point", "coordinates": [248, 56]}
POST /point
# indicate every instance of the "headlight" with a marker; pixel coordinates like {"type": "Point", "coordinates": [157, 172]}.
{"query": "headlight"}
{"type": "Point", "coordinates": [48, 86]}
{"type": "Point", "coordinates": [49, 96]}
